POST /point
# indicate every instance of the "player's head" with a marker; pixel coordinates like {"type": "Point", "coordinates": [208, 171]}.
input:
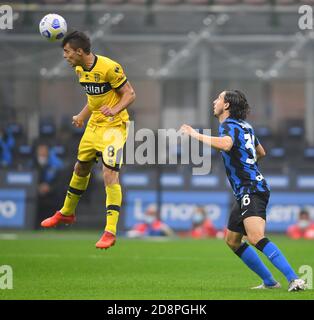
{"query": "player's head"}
{"type": "Point", "coordinates": [238, 105]}
{"type": "Point", "coordinates": [75, 46]}
{"type": "Point", "coordinates": [233, 103]}
{"type": "Point", "coordinates": [304, 219]}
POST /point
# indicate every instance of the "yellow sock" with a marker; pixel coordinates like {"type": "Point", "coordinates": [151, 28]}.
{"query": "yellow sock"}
{"type": "Point", "coordinates": [77, 187]}
{"type": "Point", "coordinates": [113, 204]}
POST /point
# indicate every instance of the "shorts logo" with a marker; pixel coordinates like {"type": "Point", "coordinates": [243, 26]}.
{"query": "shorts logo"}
{"type": "Point", "coordinates": [242, 213]}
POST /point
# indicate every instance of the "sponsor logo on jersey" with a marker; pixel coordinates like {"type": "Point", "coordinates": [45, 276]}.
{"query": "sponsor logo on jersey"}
{"type": "Point", "coordinates": [96, 88]}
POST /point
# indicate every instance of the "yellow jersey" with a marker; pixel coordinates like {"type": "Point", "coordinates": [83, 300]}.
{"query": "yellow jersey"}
{"type": "Point", "coordinates": [100, 83]}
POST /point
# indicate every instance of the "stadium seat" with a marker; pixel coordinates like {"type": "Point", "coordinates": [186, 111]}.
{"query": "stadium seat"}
{"type": "Point", "coordinates": [263, 132]}
{"type": "Point", "coordinates": [23, 158]}
{"type": "Point", "coordinates": [47, 129]}
{"type": "Point", "coordinates": [309, 153]}
{"type": "Point", "coordinates": [17, 131]}
{"type": "Point", "coordinates": [275, 161]}
{"type": "Point", "coordinates": [277, 152]}
{"type": "Point", "coordinates": [304, 161]}
{"type": "Point", "coordinates": [296, 132]}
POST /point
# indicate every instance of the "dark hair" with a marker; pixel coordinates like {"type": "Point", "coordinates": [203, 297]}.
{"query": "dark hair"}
{"type": "Point", "coordinates": [238, 105]}
{"type": "Point", "coordinates": [304, 212]}
{"type": "Point", "coordinates": [76, 40]}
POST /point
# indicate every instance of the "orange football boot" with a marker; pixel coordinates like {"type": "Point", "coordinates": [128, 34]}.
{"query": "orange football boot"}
{"type": "Point", "coordinates": [106, 241]}
{"type": "Point", "coordinates": [56, 219]}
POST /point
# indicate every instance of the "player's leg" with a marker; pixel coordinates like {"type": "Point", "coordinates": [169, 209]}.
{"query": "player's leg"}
{"type": "Point", "coordinates": [113, 205]}
{"type": "Point", "coordinates": [254, 227]}
{"type": "Point", "coordinates": [113, 142]}
{"type": "Point", "coordinates": [77, 186]}
{"type": "Point", "coordinates": [113, 199]}
{"type": "Point", "coordinates": [78, 183]}
{"type": "Point", "coordinates": [249, 256]}
{"type": "Point", "coordinates": [254, 224]}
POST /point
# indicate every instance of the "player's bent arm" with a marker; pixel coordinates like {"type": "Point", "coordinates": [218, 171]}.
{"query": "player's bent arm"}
{"type": "Point", "coordinates": [260, 151]}
{"type": "Point", "coordinates": [85, 113]}
{"type": "Point", "coordinates": [79, 119]}
{"type": "Point", "coordinates": [127, 96]}
{"type": "Point", "coordinates": [220, 143]}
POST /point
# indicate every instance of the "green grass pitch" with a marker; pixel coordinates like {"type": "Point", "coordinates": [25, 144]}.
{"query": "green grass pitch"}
{"type": "Point", "coordinates": [66, 265]}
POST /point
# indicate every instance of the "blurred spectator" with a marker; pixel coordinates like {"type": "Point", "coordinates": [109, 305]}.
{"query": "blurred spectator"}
{"type": "Point", "coordinates": [48, 167]}
{"type": "Point", "coordinates": [202, 226]}
{"type": "Point", "coordinates": [151, 226]}
{"type": "Point", "coordinates": [304, 228]}
{"type": "Point", "coordinates": [7, 143]}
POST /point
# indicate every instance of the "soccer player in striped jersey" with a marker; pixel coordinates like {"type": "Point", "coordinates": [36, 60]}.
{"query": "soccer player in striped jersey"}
{"type": "Point", "coordinates": [109, 93]}
{"type": "Point", "coordinates": [240, 151]}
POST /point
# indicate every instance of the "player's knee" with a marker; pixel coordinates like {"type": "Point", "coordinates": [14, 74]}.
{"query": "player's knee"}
{"type": "Point", "coordinates": [232, 243]}
{"type": "Point", "coordinates": [82, 169]}
{"type": "Point", "coordinates": [254, 238]}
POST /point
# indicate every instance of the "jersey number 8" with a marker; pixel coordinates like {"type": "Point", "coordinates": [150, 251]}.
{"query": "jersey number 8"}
{"type": "Point", "coordinates": [110, 151]}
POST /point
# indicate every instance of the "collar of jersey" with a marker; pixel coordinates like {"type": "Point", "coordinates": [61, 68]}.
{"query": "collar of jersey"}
{"type": "Point", "coordinates": [92, 67]}
{"type": "Point", "coordinates": [232, 120]}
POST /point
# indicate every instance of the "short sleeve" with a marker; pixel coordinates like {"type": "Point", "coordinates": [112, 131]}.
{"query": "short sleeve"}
{"type": "Point", "coordinates": [116, 76]}
{"type": "Point", "coordinates": [226, 129]}
{"type": "Point", "coordinates": [78, 71]}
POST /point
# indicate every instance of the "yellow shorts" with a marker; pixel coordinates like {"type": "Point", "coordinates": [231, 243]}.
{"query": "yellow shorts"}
{"type": "Point", "coordinates": [107, 142]}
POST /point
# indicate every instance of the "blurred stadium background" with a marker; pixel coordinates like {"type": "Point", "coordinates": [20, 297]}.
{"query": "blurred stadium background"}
{"type": "Point", "coordinates": [178, 54]}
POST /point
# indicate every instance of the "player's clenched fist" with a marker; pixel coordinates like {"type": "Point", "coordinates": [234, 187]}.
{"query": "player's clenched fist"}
{"type": "Point", "coordinates": [188, 130]}
{"type": "Point", "coordinates": [107, 111]}
{"type": "Point", "coordinates": [77, 121]}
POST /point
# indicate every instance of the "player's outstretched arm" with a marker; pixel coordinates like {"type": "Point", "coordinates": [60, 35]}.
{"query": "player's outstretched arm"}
{"type": "Point", "coordinates": [78, 120]}
{"type": "Point", "coordinates": [220, 143]}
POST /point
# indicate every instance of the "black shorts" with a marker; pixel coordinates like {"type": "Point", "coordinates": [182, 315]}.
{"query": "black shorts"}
{"type": "Point", "coordinates": [249, 205]}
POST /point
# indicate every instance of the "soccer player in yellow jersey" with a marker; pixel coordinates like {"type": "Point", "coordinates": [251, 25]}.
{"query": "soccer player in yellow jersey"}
{"type": "Point", "coordinates": [109, 93]}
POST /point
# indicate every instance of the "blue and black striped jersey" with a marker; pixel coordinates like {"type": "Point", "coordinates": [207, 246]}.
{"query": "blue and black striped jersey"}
{"type": "Point", "coordinates": [240, 162]}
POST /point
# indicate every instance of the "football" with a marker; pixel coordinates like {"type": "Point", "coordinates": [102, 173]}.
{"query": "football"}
{"type": "Point", "coordinates": [53, 27]}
